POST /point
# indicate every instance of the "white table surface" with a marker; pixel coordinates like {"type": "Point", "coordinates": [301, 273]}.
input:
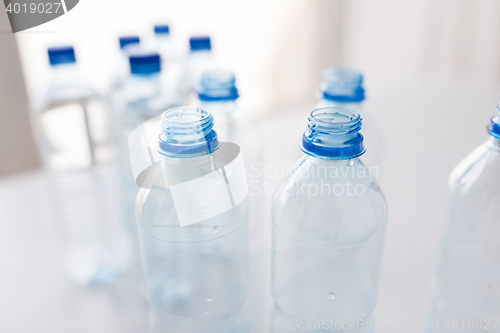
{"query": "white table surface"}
{"type": "Point", "coordinates": [428, 128]}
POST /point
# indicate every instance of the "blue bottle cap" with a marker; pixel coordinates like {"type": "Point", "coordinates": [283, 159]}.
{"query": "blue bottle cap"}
{"type": "Point", "coordinates": [127, 40]}
{"type": "Point", "coordinates": [217, 85]}
{"type": "Point", "coordinates": [61, 55]}
{"type": "Point", "coordinates": [342, 85]}
{"type": "Point", "coordinates": [162, 29]}
{"type": "Point", "coordinates": [200, 43]}
{"type": "Point", "coordinates": [144, 62]}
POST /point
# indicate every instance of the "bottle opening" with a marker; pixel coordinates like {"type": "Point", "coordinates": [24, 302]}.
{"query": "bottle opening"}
{"type": "Point", "coordinates": [217, 85]}
{"type": "Point", "coordinates": [187, 132]}
{"type": "Point", "coordinates": [333, 133]}
{"type": "Point", "coordinates": [342, 85]}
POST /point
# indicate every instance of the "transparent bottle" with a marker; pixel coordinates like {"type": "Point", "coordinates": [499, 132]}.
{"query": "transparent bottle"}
{"type": "Point", "coordinates": [343, 87]}
{"type": "Point", "coordinates": [122, 68]}
{"type": "Point", "coordinates": [73, 134]}
{"type": "Point", "coordinates": [466, 296]}
{"type": "Point", "coordinates": [329, 220]}
{"type": "Point", "coordinates": [218, 94]}
{"type": "Point", "coordinates": [198, 61]}
{"type": "Point", "coordinates": [163, 42]}
{"type": "Point", "coordinates": [143, 97]}
{"type": "Point", "coordinates": [196, 273]}
{"type": "Point", "coordinates": [171, 58]}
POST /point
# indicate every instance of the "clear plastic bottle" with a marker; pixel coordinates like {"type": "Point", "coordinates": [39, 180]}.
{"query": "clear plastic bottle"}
{"type": "Point", "coordinates": [73, 134]}
{"type": "Point", "coordinates": [218, 94]}
{"type": "Point", "coordinates": [466, 296]}
{"type": "Point", "coordinates": [198, 61]}
{"type": "Point", "coordinates": [329, 221]}
{"type": "Point", "coordinates": [343, 87]}
{"type": "Point", "coordinates": [122, 67]}
{"type": "Point", "coordinates": [143, 97]}
{"type": "Point", "coordinates": [163, 42]}
{"type": "Point", "coordinates": [196, 274]}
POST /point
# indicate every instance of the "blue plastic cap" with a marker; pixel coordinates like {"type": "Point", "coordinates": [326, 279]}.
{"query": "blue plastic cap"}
{"type": "Point", "coordinates": [342, 85]}
{"type": "Point", "coordinates": [127, 40]}
{"type": "Point", "coordinates": [217, 85]}
{"type": "Point", "coordinates": [144, 62]}
{"type": "Point", "coordinates": [494, 126]}
{"type": "Point", "coordinates": [161, 29]}
{"type": "Point", "coordinates": [200, 43]}
{"type": "Point", "coordinates": [61, 55]}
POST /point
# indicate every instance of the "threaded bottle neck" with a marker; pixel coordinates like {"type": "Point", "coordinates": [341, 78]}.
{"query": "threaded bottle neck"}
{"type": "Point", "coordinates": [342, 85]}
{"type": "Point", "coordinates": [217, 86]}
{"type": "Point", "coordinates": [187, 132]}
{"type": "Point", "coordinates": [333, 133]}
{"type": "Point", "coordinates": [494, 125]}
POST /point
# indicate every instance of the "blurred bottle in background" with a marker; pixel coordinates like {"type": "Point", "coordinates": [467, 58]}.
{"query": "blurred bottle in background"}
{"type": "Point", "coordinates": [198, 61]}
{"type": "Point", "coordinates": [171, 60]}
{"type": "Point", "coordinates": [466, 296]}
{"type": "Point", "coordinates": [163, 43]}
{"type": "Point", "coordinates": [122, 66]}
{"type": "Point", "coordinates": [194, 231]}
{"type": "Point", "coordinates": [73, 134]}
{"type": "Point", "coordinates": [329, 220]}
{"type": "Point", "coordinates": [144, 96]}
{"type": "Point", "coordinates": [217, 93]}
{"type": "Point", "coordinates": [343, 87]}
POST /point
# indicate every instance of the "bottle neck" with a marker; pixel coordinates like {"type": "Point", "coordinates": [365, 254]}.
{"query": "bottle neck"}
{"type": "Point", "coordinates": [333, 133]}
{"type": "Point", "coordinates": [187, 132]}
{"type": "Point", "coordinates": [494, 142]}
{"type": "Point", "coordinates": [143, 86]}
{"type": "Point", "coordinates": [64, 73]}
{"type": "Point", "coordinates": [220, 108]}
{"type": "Point", "coordinates": [355, 106]}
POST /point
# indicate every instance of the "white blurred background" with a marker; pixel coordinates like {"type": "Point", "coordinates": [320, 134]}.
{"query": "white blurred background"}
{"type": "Point", "coordinates": [432, 70]}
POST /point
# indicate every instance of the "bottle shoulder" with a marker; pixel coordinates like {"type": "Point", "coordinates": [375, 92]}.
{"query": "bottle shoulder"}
{"type": "Point", "coordinates": [330, 202]}
{"type": "Point", "coordinates": [478, 171]}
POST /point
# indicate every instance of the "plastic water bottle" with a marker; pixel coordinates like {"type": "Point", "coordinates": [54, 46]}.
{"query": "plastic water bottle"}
{"type": "Point", "coordinates": [343, 87]}
{"type": "Point", "coordinates": [143, 97]}
{"type": "Point", "coordinates": [73, 133]}
{"type": "Point", "coordinates": [466, 296]}
{"type": "Point", "coordinates": [217, 93]}
{"type": "Point", "coordinates": [198, 61]}
{"type": "Point", "coordinates": [329, 221]}
{"type": "Point", "coordinates": [163, 42]}
{"type": "Point", "coordinates": [194, 250]}
{"type": "Point", "coordinates": [122, 67]}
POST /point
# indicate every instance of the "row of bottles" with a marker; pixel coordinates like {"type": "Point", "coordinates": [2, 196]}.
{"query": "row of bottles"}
{"type": "Point", "coordinates": [195, 229]}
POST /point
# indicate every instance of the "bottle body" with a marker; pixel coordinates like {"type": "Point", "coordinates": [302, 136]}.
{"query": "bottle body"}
{"type": "Point", "coordinates": [329, 219]}
{"type": "Point", "coordinates": [194, 65]}
{"type": "Point", "coordinates": [142, 99]}
{"type": "Point", "coordinates": [73, 132]}
{"type": "Point", "coordinates": [466, 295]}
{"type": "Point", "coordinates": [193, 232]}
{"type": "Point", "coordinates": [328, 233]}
